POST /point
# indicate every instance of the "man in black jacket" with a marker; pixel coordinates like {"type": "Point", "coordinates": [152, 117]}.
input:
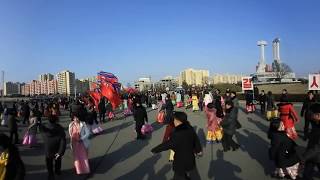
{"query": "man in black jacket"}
{"type": "Point", "coordinates": [140, 117]}
{"type": "Point", "coordinates": [12, 125]}
{"type": "Point", "coordinates": [102, 109]}
{"type": "Point", "coordinates": [312, 155]}
{"type": "Point", "coordinates": [229, 124]}
{"type": "Point", "coordinates": [306, 113]}
{"type": "Point", "coordinates": [263, 100]}
{"type": "Point", "coordinates": [55, 145]}
{"type": "Point", "coordinates": [185, 143]}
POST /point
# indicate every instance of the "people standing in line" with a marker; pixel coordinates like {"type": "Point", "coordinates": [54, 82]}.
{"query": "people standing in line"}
{"type": "Point", "coordinates": [214, 133]}
{"type": "Point", "coordinates": [102, 110]}
{"type": "Point", "coordinates": [79, 141]}
{"type": "Point", "coordinates": [11, 165]}
{"type": "Point", "coordinates": [13, 126]}
{"type": "Point", "coordinates": [306, 113]}
{"type": "Point", "coordinates": [282, 151]}
{"type": "Point", "coordinates": [311, 157]}
{"type": "Point", "coordinates": [288, 116]}
{"type": "Point", "coordinates": [186, 145]}
{"type": "Point", "coordinates": [229, 125]}
{"type": "Point", "coordinates": [140, 117]}
{"type": "Point", "coordinates": [54, 139]}
{"type": "Point", "coordinates": [263, 100]}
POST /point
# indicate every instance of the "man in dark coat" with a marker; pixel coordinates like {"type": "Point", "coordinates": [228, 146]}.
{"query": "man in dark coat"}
{"type": "Point", "coordinates": [140, 117]}
{"type": "Point", "coordinates": [229, 124]}
{"type": "Point", "coordinates": [102, 110]}
{"type": "Point", "coordinates": [12, 125]}
{"type": "Point", "coordinates": [306, 112]}
{"type": "Point", "coordinates": [263, 100]}
{"type": "Point", "coordinates": [185, 143]}
{"type": "Point", "coordinates": [55, 145]}
{"type": "Point", "coordinates": [26, 112]}
{"type": "Point", "coordinates": [15, 169]}
{"type": "Point", "coordinates": [312, 155]}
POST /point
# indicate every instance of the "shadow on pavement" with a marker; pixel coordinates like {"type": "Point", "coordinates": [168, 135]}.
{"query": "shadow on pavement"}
{"type": "Point", "coordinates": [257, 151]}
{"type": "Point", "coordinates": [222, 170]}
{"type": "Point", "coordinates": [116, 128]}
{"type": "Point", "coordinates": [145, 168]}
{"type": "Point", "coordinates": [104, 163]}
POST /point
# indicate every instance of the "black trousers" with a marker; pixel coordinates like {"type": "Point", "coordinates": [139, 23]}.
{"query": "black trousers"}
{"type": "Point", "coordinates": [191, 175]}
{"type": "Point", "coordinates": [26, 119]}
{"type": "Point", "coordinates": [228, 142]}
{"type": "Point", "coordinates": [263, 108]}
{"type": "Point", "coordinates": [309, 169]}
{"type": "Point", "coordinates": [102, 117]}
{"type": "Point", "coordinates": [138, 130]}
{"type": "Point", "coordinates": [15, 135]}
{"type": "Point", "coordinates": [306, 126]}
{"type": "Point", "coordinates": [57, 165]}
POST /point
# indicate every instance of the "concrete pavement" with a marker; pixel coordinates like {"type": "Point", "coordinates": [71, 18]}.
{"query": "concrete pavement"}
{"type": "Point", "coordinates": [117, 155]}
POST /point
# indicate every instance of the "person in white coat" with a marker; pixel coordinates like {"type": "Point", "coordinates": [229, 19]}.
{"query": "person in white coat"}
{"type": "Point", "coordinates": [79, 137]}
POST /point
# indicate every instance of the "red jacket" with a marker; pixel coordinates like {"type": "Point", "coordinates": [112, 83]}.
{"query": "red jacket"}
{"type": "Point", "coordinates": [288, 115]}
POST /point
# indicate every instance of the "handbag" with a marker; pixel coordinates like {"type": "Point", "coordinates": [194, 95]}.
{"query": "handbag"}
{"type": "Point", "coordinates": [146, 129]}
{"type": "Point", "coordinates": [160, 117]}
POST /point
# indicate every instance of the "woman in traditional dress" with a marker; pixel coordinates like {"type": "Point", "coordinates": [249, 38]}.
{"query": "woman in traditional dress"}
{"type": "Point", "coordinates": [32, 130]}
{"type": "Point", "coordinates": [195, 102]}
{"type": "Point", "coordinates": [79, 135]}
{"type": "Point", "coordinates": [288, 116]}
{"type": "Point", "coordinates": [213, 124]}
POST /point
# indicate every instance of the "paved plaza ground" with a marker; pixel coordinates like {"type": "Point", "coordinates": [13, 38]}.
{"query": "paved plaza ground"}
{"type": "Point", "coordinates": [116, 155]}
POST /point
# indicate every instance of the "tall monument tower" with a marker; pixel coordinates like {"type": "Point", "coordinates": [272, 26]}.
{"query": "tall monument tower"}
{"type": "Point", "coordinates": [276, 50]}
{"type": "Point", "coordinates": [262, 62]}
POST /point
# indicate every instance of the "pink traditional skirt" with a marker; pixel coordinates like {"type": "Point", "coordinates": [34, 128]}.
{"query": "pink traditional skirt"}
{"type": "Point", "coordinates": [80, 154]}
{"type": "Point", "coordinates": [29, 139]}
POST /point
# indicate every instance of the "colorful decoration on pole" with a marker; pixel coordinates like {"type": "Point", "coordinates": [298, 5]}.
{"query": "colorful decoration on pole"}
{"type": "Point", "coordinates": [314, 82]}
{"type": "Point", "coordinates": [247, 83]}
{"type": "Point", "coordinates": [107, 86]}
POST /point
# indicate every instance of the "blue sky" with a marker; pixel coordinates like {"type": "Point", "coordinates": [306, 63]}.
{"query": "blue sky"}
{"type": "Point", "coordinates": [137, 38]}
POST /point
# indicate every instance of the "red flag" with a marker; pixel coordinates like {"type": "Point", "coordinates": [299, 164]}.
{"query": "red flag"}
{"type": "Point", "coordinates": [96, 98]}
{"type": "Point", "coordinates": [109, 92]}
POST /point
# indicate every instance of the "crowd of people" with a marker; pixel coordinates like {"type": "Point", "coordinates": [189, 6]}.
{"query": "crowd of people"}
{"type": "Point", "coordinates": [221, 111]}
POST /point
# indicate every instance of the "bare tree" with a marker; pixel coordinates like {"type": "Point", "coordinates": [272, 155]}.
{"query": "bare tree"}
{"type": "Point", "coordinates": [281, 69]}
